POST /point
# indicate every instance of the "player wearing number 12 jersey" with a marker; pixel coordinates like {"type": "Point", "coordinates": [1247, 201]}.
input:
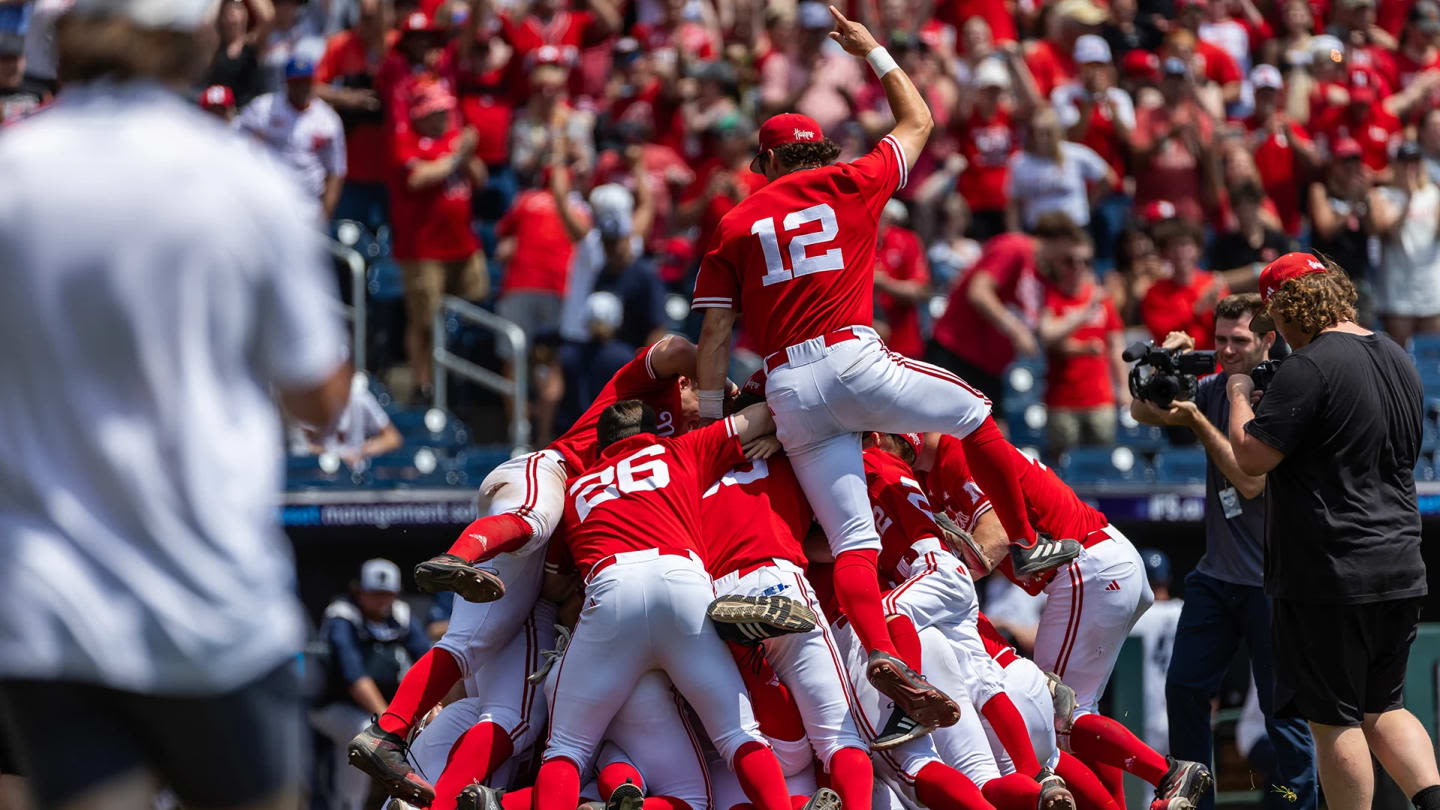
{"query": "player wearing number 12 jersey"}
{"type": "Point", "coordinates": [796, 260]}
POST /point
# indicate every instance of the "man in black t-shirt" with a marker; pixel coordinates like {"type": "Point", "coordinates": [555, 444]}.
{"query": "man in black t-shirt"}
{"type": "Point", "coordinates": [1337, 434]}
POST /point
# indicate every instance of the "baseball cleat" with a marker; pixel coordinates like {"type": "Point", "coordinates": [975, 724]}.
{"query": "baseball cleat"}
{"type": "Point", "coordinates": [1047, 553]}
{"type": "Point", "coordinates": [476, 796]}
{"type": "Point", "coordinates": [823, 799]}
{"type": "Point", "coordinates": [1053, 793]}
{"type": "Point", "coordinates": [752, 619]}
{"type": "Point", "coordinates": [448, 572]}
{"type": "Point", "coordinates": [1185, 780]}
{"type": "Point", "coordinates": [1064, 699]}
{"type": "Point", "coordinates": [382, 755]}
{"type": "Point", "coordinates": [628, 796]}
{"type": "Point", "coordinates": [1172, 804]}
{"type": "Point", "coordinates": [911, 692]}
{"type": "Point", "coordinates": [899, 729]}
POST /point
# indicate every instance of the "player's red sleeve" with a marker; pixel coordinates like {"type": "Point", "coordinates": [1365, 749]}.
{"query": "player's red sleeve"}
{"type": "Point", "coordinates": [718, 283]}
{"type": "Point", "coordinates": [714, 448]}
{"type": "Point", "coordinates": [325, 70]}
{"type": "Point", "coordinates": [904, 501]}
{"type": "Point", "coordinates": [637, 377]}
{"type": "Point", "coordinates": [879, 174]}
{"type": "Point", "coordinates": [998, 466]}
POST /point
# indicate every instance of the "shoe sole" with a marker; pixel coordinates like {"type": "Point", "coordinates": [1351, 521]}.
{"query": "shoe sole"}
{"type": "Point", "coordinates": [824, 799]}
{"type": "Point", "coordinates": [896, 740]}
{"type": "Point", "coordinates": [1051, 798]}
{"type": "Point", "coordinates": [626, 797]}
{"type": "Point", "coordinates": [925, 704]}
{"type": "Point", "coordinates": [471, 584]}
{"type": "Point", "coordinates": [414, 790]}
{"type": "Point", "coordinates": [761, 617]}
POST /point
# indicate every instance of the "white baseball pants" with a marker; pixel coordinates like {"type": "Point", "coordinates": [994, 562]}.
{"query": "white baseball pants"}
{"type": "Point", "coordinates": [938, 591]}
{"type": "Point", "coordinates": [646, 611]}
{"type": "Point", "coordinates": [1026, 686]}
{"type": "Point", "coordinates": [825, 396]}
{"type": "Point", "coordinates": [807, 663]}
{"type": "Point", "coordinates": [1091, 605]}
{"type": "Point", "coordinates": [962, 746]}
{"type": "Point", "coordinates": [531, 486]}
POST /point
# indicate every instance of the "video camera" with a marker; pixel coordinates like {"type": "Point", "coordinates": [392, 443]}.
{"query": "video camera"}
{"type": "Point", "coordinates": [1161, 376]}
{"type": "Point", "coordinates": [1262, 374]}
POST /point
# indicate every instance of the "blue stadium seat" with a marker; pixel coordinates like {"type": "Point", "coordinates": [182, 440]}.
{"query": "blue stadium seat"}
{"type": "Point", "coordinates": [410, 466]}
{"type": "Point", "coordinates": [1102, 465]}
{"type": "Point", "coordinates": [1425, 468]}
{"type": "Point", "coordinates": [477, 462]}
{"type": "Point", "coordinates": [383, 280]}
{"type": "Point", "coordinates": [1025, 379]}
{"type": "Point", "coordinates": [1026, 420]}
{"type": "Point", "coordinates": [1180, 465]}
{"type": "Point", "coordinates": [1138, 437]}
{"type": "Point", "coordinates": [432, 427]}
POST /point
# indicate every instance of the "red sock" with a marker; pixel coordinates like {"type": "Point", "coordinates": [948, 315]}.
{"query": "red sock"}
{"type": "Point", "coordinates": [941, 787]}
{"type": "Point", "coordinates": [857, 589]}
{"type": "Point", "coordinates": [422, 687]}
{"type": "Point", "coordinates": [906, 638]}
{"type": "Point", "coordinates": [614, 775]}
{"type": "Point", "coordinates": [853, 777]}
{"type": "Point", "coordinates": [997, 467]}
{"type": "Point", "coordinates": [1009, 726]}
{"type": "Point", "coordinates": [760, 777]}
{"type": "Point", "coordinates": [475, 756]}
{"type": "Point", "coordinates": [775, 708]}
{"type": "Point", "coordinates": [1113, 779]}
{"type": "Point", "coordinates": [663, 803]}
{"type": "Point", "coordinates": [1100, 739]}
{"type": "Point", "coordinates": [491, 535]}
{"type": "Point", "coordinates": [797, 802]}
{"type": "Point", "coordinates": [517, 799]}
{"type": "Point", "coordinates": [557, 786]}
{"type": "Point", "coordinates": [1014, 791]}
{"type": "Point", "coordinates": [1090, 792]}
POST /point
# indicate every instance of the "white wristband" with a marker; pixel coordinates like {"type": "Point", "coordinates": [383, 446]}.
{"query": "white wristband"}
{"type": "Point", "coordinates": [880, 61]}
{"type": "Point", "coordinates": [712, 404]}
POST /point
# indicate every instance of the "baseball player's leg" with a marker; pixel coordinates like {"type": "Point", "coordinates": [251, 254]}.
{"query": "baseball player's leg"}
{"type": "Point", "coordinates": [1090, 793]}
{"type": "Point", "coordinates": [1028, 690]}
{"type": "Point", "coordinates": [431, 748]}
{"type": "Point", "coordinates": [656, 738]}
{"type": "Point", "coordinates": [340, 721]}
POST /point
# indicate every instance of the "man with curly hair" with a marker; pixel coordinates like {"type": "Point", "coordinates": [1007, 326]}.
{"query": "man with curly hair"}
{"type": "Point", "coordinates": [1337, 434]}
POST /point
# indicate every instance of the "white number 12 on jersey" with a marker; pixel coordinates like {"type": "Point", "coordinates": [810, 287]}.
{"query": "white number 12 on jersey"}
{"type": "Point", "coordinates": [800, 263]}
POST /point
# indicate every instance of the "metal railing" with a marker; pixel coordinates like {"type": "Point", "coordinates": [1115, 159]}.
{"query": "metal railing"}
{"type": "Point", "coordinates": [355, 312]}
{"type": "Point", "coordinates": [446, 361]}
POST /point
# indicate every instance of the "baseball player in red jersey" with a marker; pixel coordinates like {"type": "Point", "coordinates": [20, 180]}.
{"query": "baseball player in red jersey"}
{"type": "Point", "coordinates": [521, 503]}
{"type": "Point", "coordinates": [1091, 605]}
{"type": "Point", "coordinates": [755, 519]}
{"type": "Point", "coordinates": [632, 526]}
{"type": "Point", "coordinates": [798, 258]}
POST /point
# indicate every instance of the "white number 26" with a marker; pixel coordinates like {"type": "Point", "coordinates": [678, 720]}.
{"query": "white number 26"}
{"type": "Point", "coordinates": [800, 263]}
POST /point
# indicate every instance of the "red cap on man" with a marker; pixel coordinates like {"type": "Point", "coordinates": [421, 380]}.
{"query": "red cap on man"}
{"type": "Point", "coordinates": [783, 129]}
{"type": "Point", "coordinates": [1274, 276]}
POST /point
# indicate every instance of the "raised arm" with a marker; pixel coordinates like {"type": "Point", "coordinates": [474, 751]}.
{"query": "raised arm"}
{"type": "Point", "coordinates": [912, 116]}
{"type": "Point", "coordinates": [713, 361]}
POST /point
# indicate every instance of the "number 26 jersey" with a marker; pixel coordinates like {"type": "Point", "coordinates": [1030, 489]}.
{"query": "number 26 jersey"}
{"type": "Point", "coordinates": [797, 257]}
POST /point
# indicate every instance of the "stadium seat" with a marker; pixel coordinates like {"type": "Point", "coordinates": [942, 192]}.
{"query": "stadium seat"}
{"type": "Point", "coordinates": [431, 426]}
{"type": "Point", "coordinates": [1026, 420]}
{"type": "Point", "coordinates": [383, 280]}
{"type": "Point", "coordinates": [1102, 465]}
{"type": "Point", "coordinates": [1180, 465]}
{"type": "Point", "coordinates": [1138, 437]}
{"type": "Point", "coordinates": [477, 462]}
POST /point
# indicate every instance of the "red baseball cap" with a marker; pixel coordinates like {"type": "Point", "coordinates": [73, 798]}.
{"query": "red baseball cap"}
{"type": "Point", "coordinates": [419, 22]}
{"type": "Point", "coordinates": [786, 128]}
{"type": "Point", "coordinates": [1141, 64]}
{"type": "Point", "coordinates": [1156, 211]}
{"type": "Point", "coordinates": [1274, 276]}
{"type": "Point", "coordinates": [1347, 148]}
{"type": "Point", "coordinates": [756, 384]}
{"type": "Point", "coordinates": [217, 97]}
{"type": "Point", "coordinates": [915, 440]}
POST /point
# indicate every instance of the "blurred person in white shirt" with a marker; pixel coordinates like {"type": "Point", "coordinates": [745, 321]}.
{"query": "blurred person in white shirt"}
{"type": "Point", "coordinates": [1156, 631]}
{"type": "Point", "coordinates": [363, 430]}
{"type": "Point", "coordinates": [305, 133]}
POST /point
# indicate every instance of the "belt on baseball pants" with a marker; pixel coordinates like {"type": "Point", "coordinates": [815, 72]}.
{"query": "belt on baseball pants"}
{"type": "Point", "coordinates": [729, 580]}
{"type": "Point", "coordinates": [638, 556]}
{"type": "Point", "coordinates": [775, 360]}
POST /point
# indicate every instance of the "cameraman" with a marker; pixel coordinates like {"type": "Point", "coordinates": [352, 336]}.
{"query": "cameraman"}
{"type": "Point", "coordinates": [1225, 603]}
{"type": "Point", "coordinates": [1337, 433]}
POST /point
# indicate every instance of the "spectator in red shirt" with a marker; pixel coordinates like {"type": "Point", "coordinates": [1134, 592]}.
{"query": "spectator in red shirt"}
{"type": "Point", "coordinates": [436, 171]}
{"type": "Point", "coordinates": [1368, 45]}
{"type": "Point", "coordinates": [548, 23]}
{"type": "Point", "coordinates": [993, 309]}
{"type": "Point", "coordinates": [480, 58]}
{"type": "Point", "coordinates": [1175, 155]}
{"type": "Point", "coordinates": [1290, 47]}
{"type": "Point", "coordinates": [1085, 377]}
{"type": "Point", "coordinates": [1050, 59]}
{"type": "Point", "coordinates": [417, 60]}
{"type": "Point", "coordinates": [987, 130]}
{"type": "Point", "coordinates": [996, 14]}
{"type": "Point", "coordinates": [1283, 151]}
{"type": "Point", "coordinates": [1417, 52]}
{"type": "Point", "coordinates": [902, 280]}
{"type": "Point", "coordinates": [722, 181]}
{"type": "Point", "coordinates": [1184, 302]}
{"type": "Point", "coordinates": [1215, 64]}
{"type": "Point", "coordinates": [1369, 123]}
{"type": "Point", "coordinates": [345, 79]}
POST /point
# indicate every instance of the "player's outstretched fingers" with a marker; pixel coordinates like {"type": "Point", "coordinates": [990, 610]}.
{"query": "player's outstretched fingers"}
{"type": "Point", "coordinates": [750, 620]}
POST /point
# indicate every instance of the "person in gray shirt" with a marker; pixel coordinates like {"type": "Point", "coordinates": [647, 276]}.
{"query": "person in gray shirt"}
{"type": "Point", "coordinates": [1225, 602]}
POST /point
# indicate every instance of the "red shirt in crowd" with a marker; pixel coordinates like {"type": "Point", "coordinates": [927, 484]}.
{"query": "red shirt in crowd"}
{"type": "Point", "coordinates": [1050, 65]}
{"type": "Point", "coordinates": [568, 31]}
{"type": "Point", "coordinates": [986, 144]}
{"type": "Point", "coordinates": [485, 106]}
{"type": "Point", "coordinates": [755, 513]}
{"type": "Point", "coordinates": [1377, 132]}
{"type": "Point", "coordinates": [663, 166]}
{"type": "Point", "coordinates": [1280, 171]}
{"type": "Point", "coordinates": [1170, 307]}
{"type": "Point", "coordinates": [635, 380]}
{"type": "Point", "coordinates": [431, 222]}
{"type": "Point", "coordinates": [1173, 173]}
{"type": "Point", "coordinates": [541, 262]}
{"type": "Point", "coordinates": [901, 256]}
{"type": "Point", "coordinates": [901, 510]}
{"type": "Point", "coordinates": [718, 205]}
{"type": "Point", "coordinates": [1216, 63]}
{"type": "Point", "coordinates": [366, 143]}
{"type": "Point", "coordinates": [1102, 137]}
{"type": "Point", "coordinates": [952, 487]}
{"type": "Point", "coordinates": [1009, 259]}
{"type": "Point", "coordinates": [797, 258]}
{"type": "Point", "coordinates": [996, 13]}
{"type": "Point", "coordinates": [644, 492]}
{"type": "Point", "coordinates": [1082, 380]}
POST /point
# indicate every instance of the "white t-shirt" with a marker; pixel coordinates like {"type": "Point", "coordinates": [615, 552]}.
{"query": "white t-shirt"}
{"type": "Point", "coordinates": [363, 419]}
{"type": "Point", "coordinates": [1039, 186]}
{"type": "Point", "coordinates": [1409, 282]}
{"type": "Point", "coordinates": [310, 141]}
{"type": "Point", "coordinates": [159, 275]}
{"type": "Point", "coordinates": [1156, 631]}
{"type": "Point", "coordinates": [1066, 100]}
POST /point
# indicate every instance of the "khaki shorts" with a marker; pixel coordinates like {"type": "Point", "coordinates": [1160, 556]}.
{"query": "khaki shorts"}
{"type": "Point", "coordinates": [1080, 427]}
{"type": "Point", "coordinates": [427, 280]}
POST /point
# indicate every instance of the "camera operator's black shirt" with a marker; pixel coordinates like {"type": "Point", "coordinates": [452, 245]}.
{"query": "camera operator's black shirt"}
{"type": "Point", "coordinates": [1343, 523]}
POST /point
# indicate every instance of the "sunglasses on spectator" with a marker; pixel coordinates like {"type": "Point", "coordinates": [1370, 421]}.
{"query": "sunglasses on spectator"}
{"type": "Point", "coordinates": [1075, 261]}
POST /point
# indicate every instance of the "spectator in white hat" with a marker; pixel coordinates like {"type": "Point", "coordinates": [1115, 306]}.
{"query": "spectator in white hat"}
{"type": "Point", "coordinates": [372, 636]}
{"type": "Point", "coordinates": [587, 365]}
{"type": "Point", "coordinates": [1283, 150]}
{"type": "Point", "coordinates": [999, 98]}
